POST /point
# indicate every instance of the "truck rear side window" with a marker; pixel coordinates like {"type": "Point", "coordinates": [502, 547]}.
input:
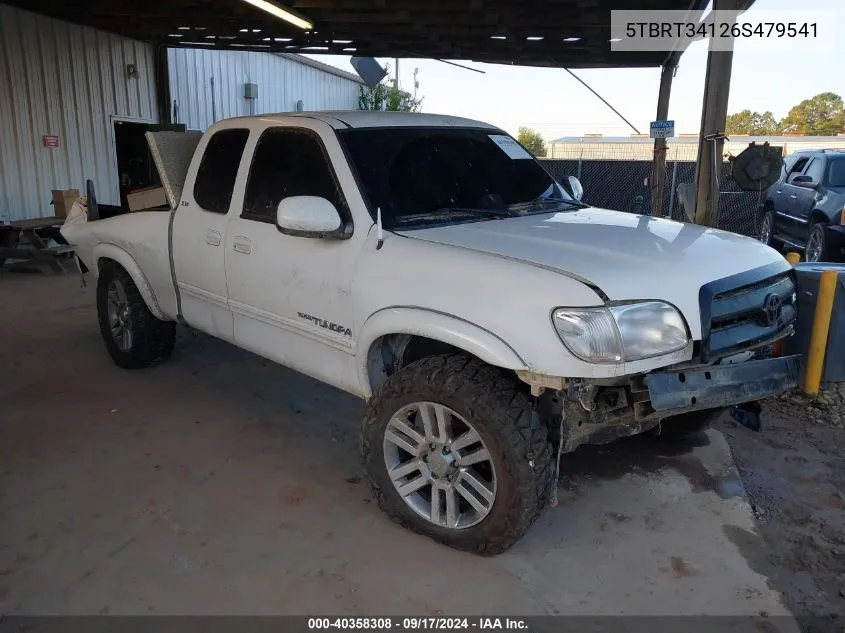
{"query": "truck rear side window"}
{"type": "Point", "coordinates": [836, 173]}
{"type": "Point", "coordinates": [218, 170]}
{"type": "Point", "coordinates": [288, 163]}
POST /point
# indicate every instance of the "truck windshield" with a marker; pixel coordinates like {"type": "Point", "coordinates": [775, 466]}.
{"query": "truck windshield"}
{"type": "Point", "coordinates": [425, 175]}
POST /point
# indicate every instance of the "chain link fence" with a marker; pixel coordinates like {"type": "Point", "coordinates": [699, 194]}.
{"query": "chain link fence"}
{"type": "Point", "coordinates": [622, 183]}
{"type": "Point", "coordinates": [616, 175]}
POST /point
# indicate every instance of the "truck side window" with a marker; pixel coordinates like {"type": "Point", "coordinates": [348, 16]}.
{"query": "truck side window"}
{"type": "Point", "coordinates": [288, 163]}
{"type": "Point", "coordinates": [816, 170]}
{"type": "Point", "coordinates": [218, 170]}
{"type": "Point", "coordinates": [796, 168]}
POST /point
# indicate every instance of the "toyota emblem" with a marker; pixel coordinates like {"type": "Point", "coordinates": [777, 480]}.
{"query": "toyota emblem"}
{"type": "Point", "coordinates": [772, 307]}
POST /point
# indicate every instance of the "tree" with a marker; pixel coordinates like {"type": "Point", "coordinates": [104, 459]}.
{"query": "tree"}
{"type": "Point", "coordinates": [823, 115]}
{"type": "Point", "coordinates": [385, 97]}
{"type": "Point", "coordinates": [752, 123]}
{"type": "Point", "coordinates": [532, 141]}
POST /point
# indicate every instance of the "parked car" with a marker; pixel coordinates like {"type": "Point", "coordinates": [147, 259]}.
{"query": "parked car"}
{"type": "Point", "coordinates": [803, 210]}
{"type": "Point", "coordinates": [429, 265]}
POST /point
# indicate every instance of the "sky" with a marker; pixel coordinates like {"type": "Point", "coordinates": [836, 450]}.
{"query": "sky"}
{"type": "Point", "coordinates": [555, 104]}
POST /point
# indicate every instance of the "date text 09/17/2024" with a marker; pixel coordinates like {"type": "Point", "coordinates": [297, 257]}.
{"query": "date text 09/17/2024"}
{"type": "Point", "coordinates": [419, 624]}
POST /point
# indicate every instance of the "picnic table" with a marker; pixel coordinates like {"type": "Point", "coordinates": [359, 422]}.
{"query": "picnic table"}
{"type": "Point", "coordinates": [27, 240]}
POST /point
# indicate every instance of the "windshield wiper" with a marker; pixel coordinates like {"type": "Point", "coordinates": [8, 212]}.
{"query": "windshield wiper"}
{"type": "Point", "coordinates": [542, 203]}
{"type": "Point", "coordinates": [450, 212]}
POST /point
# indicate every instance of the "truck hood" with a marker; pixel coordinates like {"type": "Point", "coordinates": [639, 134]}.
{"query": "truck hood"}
{"type": "Point", "coordinates": [626, 256]}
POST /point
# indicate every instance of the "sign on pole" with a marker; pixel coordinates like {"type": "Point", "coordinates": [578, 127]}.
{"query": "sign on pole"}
{"type": "Point", "coordinates": [661, 129]}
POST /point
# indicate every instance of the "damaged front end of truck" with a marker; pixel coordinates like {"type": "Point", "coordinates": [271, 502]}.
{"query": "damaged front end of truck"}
{"type": "Point", "coordinates": [734, 365]}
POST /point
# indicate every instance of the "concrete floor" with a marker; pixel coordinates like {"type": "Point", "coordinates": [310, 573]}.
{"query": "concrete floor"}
{"type": "Point", "coordinates": [222, 484]}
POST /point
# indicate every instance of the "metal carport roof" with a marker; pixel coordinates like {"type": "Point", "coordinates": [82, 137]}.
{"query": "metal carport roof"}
{"type": "Point", "coordinates": [527, 32]}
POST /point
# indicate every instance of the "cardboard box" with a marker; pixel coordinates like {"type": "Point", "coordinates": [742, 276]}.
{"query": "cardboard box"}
{"type": "Point", "coordinates": [63, 200]}
{"type": "Point", "coordinates": [147, 198]}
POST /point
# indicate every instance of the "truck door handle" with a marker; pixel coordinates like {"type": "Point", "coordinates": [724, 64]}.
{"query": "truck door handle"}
{"type": "Point", "coordinates": [243, 245]}
{"type": "Point", "coordinates": [212, 237]}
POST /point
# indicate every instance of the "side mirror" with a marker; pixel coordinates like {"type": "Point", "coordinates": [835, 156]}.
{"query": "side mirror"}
{"type": "Point", "coordinates": [804, 181]}
{"type": "Point", "coordinates": [576, 187]}
{"type": "Point", "coordinates": [308, 216]}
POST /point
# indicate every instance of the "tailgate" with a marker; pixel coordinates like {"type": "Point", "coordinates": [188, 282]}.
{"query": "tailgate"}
{"type": "Point", "coordinates": [172, 153]}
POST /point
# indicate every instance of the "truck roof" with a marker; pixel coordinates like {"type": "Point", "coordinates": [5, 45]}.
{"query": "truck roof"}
{"type": "Point", "coordinates": [341, 119]}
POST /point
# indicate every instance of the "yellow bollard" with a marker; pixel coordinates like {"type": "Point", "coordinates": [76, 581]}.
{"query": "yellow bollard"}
{"type": "Point", "coordinates": [818, 336]}
{"type": "Point", "coordinates": [793, 258]}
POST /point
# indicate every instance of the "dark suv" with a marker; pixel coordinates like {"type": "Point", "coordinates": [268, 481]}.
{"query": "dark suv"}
{"type": "Point", "coordinates": [803, 210]}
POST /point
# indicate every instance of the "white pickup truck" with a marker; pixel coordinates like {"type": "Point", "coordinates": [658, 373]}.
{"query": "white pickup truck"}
{"type": "Point", "coordinates": [429, 265]}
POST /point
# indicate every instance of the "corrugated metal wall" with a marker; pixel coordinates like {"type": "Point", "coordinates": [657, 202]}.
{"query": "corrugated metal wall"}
{"type": "Point", "coordinates": [58, 78]}
{"type": "Point", "coordinates": [281, 83]}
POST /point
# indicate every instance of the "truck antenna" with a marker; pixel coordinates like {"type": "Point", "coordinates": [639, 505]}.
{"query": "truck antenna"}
{"type": "Point", "coordinates": [379, 230]}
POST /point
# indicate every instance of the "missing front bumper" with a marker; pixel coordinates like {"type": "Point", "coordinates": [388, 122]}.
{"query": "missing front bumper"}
{"type": "Point", "coordinates": [674, 392]}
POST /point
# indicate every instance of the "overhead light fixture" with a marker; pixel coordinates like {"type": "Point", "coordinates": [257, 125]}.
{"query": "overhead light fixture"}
{"type": "Point", "coordinates": [498, 37]}
{"type": "Point", "coordinates": [352, 50]}
{"type": "Point", "coordinates": [282, 13]}
{"type": "Point", "coordinates": [315, 48]}
{"type": "Point", "coordinates": [198, 43]}
{"type": "Point", "coordinates": [534, 38]}
{"type": "Point", "coordinates": [615, 39]}
{"type": "Point", "coordinates": [175, 35]}
{"type": "Point", "coordinates": [281, 39]}
{"type": "Point", "coordinates": [341, 41]}
{"type": "Point", "coordinates": [184, 28]}
{"type": "Point", "coordinates": [571, 39]}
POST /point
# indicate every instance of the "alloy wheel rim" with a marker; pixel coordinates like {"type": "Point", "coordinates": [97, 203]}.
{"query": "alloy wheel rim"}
{"type": "Point", "coordinates": [120, 316]}
{"type": "Point", "coordinates": [766, 229]}
{"type": "Point", "coordinates": [814, 247]}
{"type": "Point", "coordinates": [439, 465]}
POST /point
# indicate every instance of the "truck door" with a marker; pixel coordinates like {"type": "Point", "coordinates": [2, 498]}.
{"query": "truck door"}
{"type": "Point", "coordinates": [199, 231]}
{"type": "Point", "coordinates": [807, 197]}
{"type": "Point", "coordinates": [787, 201]}
{"type": "Point", "coordinates": [290, 296]}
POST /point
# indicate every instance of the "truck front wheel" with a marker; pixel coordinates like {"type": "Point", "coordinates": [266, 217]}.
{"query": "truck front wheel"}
{"type": "Point", "coordinates": [451, 452]}
{"type": "Point", "coordinates": [134, 337]}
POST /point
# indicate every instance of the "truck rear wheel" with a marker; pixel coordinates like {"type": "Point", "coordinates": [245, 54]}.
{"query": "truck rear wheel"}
{"type": "Point", "coordinates": [134, 337]}
{"type": "Point", "coordinates": [450, 452]}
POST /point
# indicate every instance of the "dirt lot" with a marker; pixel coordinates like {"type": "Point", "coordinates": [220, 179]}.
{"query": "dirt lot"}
{"type": "Point", "coordinates": [794, 475]}
{"type": "Point", "coordinates": [220, 483]}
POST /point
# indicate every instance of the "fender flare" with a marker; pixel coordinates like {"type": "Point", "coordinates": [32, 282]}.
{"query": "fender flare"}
{"type": "Point", "coordinates": [438, 326]}
{"type": "Point", "coordinates": [117, 254]}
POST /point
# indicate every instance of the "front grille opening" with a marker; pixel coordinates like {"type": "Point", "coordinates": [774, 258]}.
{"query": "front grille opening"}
{"type": "Point", "coordinates": [738, 317]}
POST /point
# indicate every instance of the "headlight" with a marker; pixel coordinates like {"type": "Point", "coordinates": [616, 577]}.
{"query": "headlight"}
{"type": "Point", "coordinates": [621, 333]}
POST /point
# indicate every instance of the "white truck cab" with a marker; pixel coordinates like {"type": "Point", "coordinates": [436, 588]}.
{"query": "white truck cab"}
{"type": "Point", "coordinates": [431, 266]}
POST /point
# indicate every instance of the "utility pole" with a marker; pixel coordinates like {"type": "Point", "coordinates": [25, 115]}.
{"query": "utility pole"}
{"type": "Point", "coordinates": [711, 138]}
{"type": "Point", "coordinates": [658, 172]}
{"type": "Point", "coordinates": [396, 74]}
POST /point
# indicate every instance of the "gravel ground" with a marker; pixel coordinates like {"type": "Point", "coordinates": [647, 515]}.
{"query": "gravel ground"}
{"type": "Point", "coordinates": [794, 473]}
